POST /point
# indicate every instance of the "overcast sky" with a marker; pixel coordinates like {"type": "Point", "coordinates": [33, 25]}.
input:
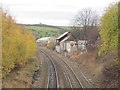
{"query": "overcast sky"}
{"type": "Point", "coordinates": [53, 12]}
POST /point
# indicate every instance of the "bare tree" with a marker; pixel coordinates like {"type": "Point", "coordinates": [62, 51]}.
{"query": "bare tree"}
{"type": "Point", "coordinates": [84, 20]}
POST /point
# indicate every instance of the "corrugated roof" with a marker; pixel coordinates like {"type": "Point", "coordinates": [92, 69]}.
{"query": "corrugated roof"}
{"type": "Point", "coordinates": [62, 35]}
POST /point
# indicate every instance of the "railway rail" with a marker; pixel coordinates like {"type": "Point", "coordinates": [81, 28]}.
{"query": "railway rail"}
{"type": "Point", "coordinates": [85, 79]}
{"type": "Point", "coordinates": [73, 79]}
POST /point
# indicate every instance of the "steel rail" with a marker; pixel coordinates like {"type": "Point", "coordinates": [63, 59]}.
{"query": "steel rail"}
{"type": "Point", "coordinates": [72, 72]}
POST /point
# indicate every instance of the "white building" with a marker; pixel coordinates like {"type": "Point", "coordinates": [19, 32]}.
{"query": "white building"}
{"type": "Point", "coordinates": [45, 40]}
{"type": "Point", "coordinates": [67, 43]}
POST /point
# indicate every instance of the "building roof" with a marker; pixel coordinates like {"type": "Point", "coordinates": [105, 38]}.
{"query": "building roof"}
{"type": "Point", "coordinates": [62, 35]}
{"type": "Point", "coordinates": [44, 38]}
{"type": "Point", "coordinates": [65, 39]}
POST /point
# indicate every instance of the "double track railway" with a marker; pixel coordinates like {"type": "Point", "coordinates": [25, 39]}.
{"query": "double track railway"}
{"type": "Point", "coordinates": [53, 77]}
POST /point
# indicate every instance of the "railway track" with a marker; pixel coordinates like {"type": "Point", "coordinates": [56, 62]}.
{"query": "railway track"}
{"type": "Point", "coordinates": [52, 81]}
{"type": "Point", "coordinates": [71, 78]}
{"type": "Point", "coordinates": [85, 79]}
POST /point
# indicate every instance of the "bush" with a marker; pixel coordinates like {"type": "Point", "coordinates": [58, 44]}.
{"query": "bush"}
{"type": "Point", "coordinates": [51, 45]}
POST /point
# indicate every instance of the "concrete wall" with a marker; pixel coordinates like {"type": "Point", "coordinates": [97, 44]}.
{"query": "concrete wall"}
{"type": "Point", "coordinates": [58, 49]}
{"type": "Point", "coordinates": [71, 47]}
{"type": "Point", "coordinates": [66, 46]}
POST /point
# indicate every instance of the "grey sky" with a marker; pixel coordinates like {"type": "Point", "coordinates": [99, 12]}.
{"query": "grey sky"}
{"type": "Point", "coordinates": [53, 12]}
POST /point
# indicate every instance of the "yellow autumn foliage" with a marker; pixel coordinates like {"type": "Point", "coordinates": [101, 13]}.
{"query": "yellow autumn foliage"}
{"type": "Point", "coordinates": [18, 44]}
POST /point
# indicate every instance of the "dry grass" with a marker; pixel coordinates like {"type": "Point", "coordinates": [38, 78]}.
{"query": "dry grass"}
{"type": "Point", "coordinates": [101, 67]}
{"type": "Point", "coordinates": [89, 61]}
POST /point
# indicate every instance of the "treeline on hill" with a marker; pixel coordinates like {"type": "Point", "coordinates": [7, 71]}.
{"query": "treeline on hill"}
{"type": "Point", "coordinates": [43, 25]}
{"type": "Point", "coordinates": [18, 45]}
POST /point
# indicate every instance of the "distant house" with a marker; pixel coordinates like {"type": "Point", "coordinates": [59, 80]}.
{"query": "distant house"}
{"type": "Point", "coordinates": [67, 43]}
{"type": "Point", "coordinates": [45, 40]}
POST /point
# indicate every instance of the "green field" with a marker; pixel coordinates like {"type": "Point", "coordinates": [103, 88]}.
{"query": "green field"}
{"type": "Point", "coordinates": [66, 27]}
{"type": "Point", "coordinates": [47, 31]}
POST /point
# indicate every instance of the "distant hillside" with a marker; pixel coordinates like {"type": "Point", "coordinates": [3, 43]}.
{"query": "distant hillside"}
{"type": "Point", "coordinates": [43, 30]}
{"type": "Point", "coordinates": [45, 25]}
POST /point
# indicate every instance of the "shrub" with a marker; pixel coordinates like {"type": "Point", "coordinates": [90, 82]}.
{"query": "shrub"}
{"type": "Point", "coordinates": [51, 45]}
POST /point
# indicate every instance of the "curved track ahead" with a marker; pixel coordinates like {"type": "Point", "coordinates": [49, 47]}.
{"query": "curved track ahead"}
{"type": "Point", "coordinates": [70, 76]}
